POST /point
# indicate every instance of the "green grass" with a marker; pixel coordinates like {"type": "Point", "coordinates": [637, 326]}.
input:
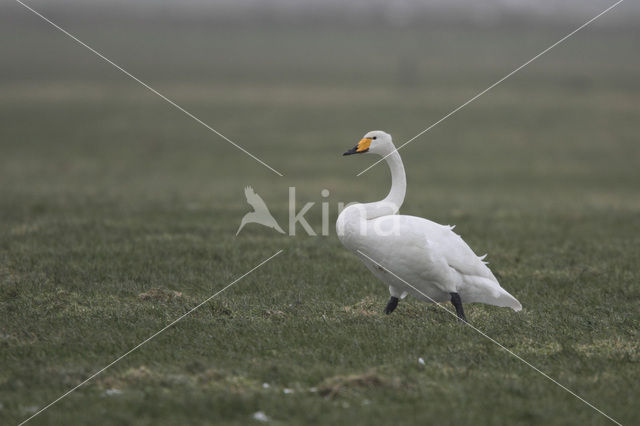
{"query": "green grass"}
{"type": "Point", "coordinates": [118, 214]}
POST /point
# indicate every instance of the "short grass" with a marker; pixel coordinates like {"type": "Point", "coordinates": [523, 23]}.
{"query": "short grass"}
{"type": "Point", "coordinates": [118, 215]}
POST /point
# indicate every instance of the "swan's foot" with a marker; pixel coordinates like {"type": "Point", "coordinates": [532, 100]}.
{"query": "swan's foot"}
{"type": "Point", "coordinates": [457, 303]}
{"type": "Point", "coordinates": [393, 303]}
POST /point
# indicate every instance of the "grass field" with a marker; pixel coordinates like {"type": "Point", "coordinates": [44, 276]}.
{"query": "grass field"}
{"type": "Point", "coordinates": [118, 214]}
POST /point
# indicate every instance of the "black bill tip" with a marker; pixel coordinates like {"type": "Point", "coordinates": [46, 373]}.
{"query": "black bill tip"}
{"type": "Point", "coordinates": [354, 150]}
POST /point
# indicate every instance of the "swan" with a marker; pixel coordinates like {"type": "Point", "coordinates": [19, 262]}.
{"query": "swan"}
{"type": "Point", "coordinates": [410, 254]}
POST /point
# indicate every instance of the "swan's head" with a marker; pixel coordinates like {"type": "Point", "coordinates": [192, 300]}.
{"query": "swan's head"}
{"type": "Point", "coordinates": [375, 142]}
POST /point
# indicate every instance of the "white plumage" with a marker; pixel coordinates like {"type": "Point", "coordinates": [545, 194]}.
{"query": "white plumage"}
{"type": "Point", "coordinates": [429, 256]}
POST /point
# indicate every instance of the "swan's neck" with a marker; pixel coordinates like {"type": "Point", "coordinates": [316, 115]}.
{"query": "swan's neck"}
{"type": "Point", "coordinates": [398, 181]}
{"type": "Point", "coordinates": [351, 221]}
{"type": "Point", "coordinates": [393, 201]}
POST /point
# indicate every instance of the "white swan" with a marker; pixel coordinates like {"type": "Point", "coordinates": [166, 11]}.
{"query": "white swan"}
{"type": "Point", "coordinates": [436, 263]}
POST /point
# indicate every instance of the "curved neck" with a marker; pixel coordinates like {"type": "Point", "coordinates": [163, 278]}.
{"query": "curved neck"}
{"type": "Point", "coordinates": [393, 201]}
{"type": "Point", "coordinates": [398, 181]}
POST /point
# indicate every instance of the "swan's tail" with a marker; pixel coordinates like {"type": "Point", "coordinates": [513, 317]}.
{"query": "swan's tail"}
{"type": "Point", "coordinates": [483, 290]}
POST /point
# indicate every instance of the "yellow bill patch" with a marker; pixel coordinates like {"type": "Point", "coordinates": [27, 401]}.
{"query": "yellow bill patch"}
{"type": "Point", "coordinates": [363, 145]}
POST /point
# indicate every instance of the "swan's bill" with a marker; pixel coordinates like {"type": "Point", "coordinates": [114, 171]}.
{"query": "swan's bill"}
{"type": "Point", "coordinates": [361, 148]}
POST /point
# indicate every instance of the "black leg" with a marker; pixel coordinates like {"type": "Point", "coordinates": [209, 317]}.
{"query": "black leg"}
{"type": "Point", "coordinates": [457, 303]}
{"type": "Point", "coordinates": [393, 302]}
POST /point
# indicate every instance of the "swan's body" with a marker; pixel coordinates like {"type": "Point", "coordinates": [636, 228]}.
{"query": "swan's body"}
{"type": "Point", "coordinates": [413, 255]}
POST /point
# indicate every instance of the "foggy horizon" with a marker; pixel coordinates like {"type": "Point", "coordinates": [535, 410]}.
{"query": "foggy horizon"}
{"type": "Point", "coordinates": [402, 13]}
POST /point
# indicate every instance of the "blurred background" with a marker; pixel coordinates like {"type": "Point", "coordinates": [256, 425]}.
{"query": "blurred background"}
{"type": "Point", "coordinates": [110, 198]}
{"type": "Point", "coordinates": [297, 82]}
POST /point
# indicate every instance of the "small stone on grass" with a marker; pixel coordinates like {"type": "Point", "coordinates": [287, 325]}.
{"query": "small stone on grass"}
{"type": "Point", "coordinates": [260, 416]}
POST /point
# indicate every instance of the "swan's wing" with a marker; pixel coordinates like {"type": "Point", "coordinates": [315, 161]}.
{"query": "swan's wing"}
{"type": "Point", "coordinates": [430, 243]}
{"type": "Point", "coordinates": [441, 243]}
{"type": "Point", "coordinates": [255, 200]}
{"type": "Point", "coordinates": [429, 255]}
{"type": "Point", "coordinates": [480, 285]}
{"type": "Point", "coordinates": [409, 251]}
{"type": "Point", "coordinates": [459, 255]}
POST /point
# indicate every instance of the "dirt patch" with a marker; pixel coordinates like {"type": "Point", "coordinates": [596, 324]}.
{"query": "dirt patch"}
{"type": "Point", "coordinates": [272, 313]}
{"type": "Point", "coordinates": [369, 306]}
{"type": "Point", "coordinates": [130, 377]}
{"type": "Point", "coordinates": [339, 385]}
{"type": "Point", "coordinates": [528, 345]}
{"type": "Point", "coordinates": [141, 373]}
{"type": "Point", "coordinates": [24, 229]}
{"type": "Point", "coordinates": [160, 295]}
{"type": "Point", "coordinates": [611, 348]}
{"type": "Point", "coordinates": [219, 381]}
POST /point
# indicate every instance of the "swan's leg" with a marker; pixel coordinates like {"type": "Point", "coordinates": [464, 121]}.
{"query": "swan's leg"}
{"type": "Point", "coordinates": [393, 302]}
{"type": "Point", "coordinates": [457, 303]}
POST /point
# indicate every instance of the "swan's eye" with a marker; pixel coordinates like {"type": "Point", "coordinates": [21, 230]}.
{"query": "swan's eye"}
{"type": "Point", "coordinates": [374, 138]}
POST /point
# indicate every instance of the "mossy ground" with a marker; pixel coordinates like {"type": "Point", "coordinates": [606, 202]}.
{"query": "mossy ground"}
{"type": "Point", "coordinates": [118, 215]}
